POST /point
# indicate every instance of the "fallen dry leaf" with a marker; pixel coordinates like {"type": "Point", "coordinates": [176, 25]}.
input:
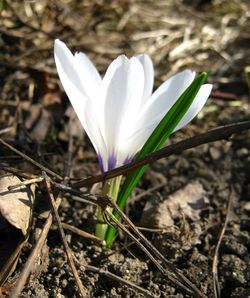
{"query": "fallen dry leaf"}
{"type": "Point", "coordinates": [183, 207]}
{"type": "Point", "coordinates": [187, 202]}
{"type": "Point", "coordinates": [16, 205]}
{"type": "Point", "coordinates": [15, 219]}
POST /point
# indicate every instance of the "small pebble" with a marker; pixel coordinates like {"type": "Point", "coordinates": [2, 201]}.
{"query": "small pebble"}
{"type": "Point", "coordinates": [242, 152]}
{"type": "Point", "coordinates": [214, 153]}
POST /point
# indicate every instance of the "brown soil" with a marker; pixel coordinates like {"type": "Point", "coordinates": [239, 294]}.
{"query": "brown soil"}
{"type": "Point", "coordinates": [32, 104]}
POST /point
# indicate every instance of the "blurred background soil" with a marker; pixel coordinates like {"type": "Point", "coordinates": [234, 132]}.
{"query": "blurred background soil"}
{"type": "Point", "coordinates": [199, 34]}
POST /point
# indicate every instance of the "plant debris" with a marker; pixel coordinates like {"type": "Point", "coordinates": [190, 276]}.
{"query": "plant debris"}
{"type": "Point", "coordinates": [39, 133]}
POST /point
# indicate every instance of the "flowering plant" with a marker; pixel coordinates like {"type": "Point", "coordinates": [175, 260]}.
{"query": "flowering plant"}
{"type": "Point", "coordinates": [122, 116]}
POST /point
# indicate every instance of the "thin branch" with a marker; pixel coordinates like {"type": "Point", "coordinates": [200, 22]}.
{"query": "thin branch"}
{"type": "Point", "coordinates": [5, 130]}
{"type": "Point", "coordinates": [19, 173]}
{"type": "Point", "coordinates": [16, 291]}
{"type": "Point", "coordinates": [147, 243]}
{"type": "Point", "coordinates": [216, 285]}
{"type": "Point", "coordinates": [82, 289]}
{"type": "Point", "coordinates": [216, 134]}
{"type": "Point", "coordinates": [26, 182]}
{"type": "Point", "coordinates": [83, 197]}
{"type": "Point", "coordinates": [103, 202]}
{"type": "Point", "coordinates": [121, 280]}
{"type": "Point", "coordinates": [169, 275]}
{"type": "Point", "coordinates": [26, 157]}
{"type": "Point", "coordinates": [83, 234]}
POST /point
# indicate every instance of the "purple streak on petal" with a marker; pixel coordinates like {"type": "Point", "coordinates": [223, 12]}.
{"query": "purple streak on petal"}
{"type": "Point", "coordinates": [112, 161]}
{"type": "Point", "coordinates": [128, 160]}
{"type": "Point", "coordinates": [100, 162]}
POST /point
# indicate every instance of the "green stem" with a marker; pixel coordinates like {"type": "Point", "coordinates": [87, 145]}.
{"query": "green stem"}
{"type": "Point", "coordinates": [111, 188]}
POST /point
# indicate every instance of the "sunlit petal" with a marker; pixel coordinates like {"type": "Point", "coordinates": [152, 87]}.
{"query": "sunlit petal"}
{"type": "Point", "coordinates": [69, 77]}
{"type": "Point", "coordinates": [148, 68]}
{"type": "Point", "coordinates": [122, 87]}
{"type": "Point", "coordinates": [196, 106]}
{"type": "Point", "coordinates": [89, 76]}
{"type": "Point", "coordinates": [130, 146]}
{"type": "Point", "coordinates": [94, 133]}
{"type": "Point", "coordinates": [80, 101]}
{"type": "Point", "coordinates": [135, 142]}
{"type": "Point", "coordinates": [119, 113]}
{"type": "Point", "coordinates": [164, 98]}
{"type": "Point", "coordinates": [168, 93]}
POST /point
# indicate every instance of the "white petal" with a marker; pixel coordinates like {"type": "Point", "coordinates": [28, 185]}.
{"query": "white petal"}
{"type": "Point", "coordinates": [164, 98]}
{"type": "Point", "coordinates": [196, 106]}
{"type": "Point", "coordinates": [80, 101]}
{"type": "Point", "coordinates": [123, 88]}
{"type": "Point", "coordinates": [148, 76]}
{"type": "Point", "coordinates": [130, 146]}
{"type": "Point", "coordinates": [135, 142]}
{"type": "Point", "coordinates": [168, 93]}
{"type": "Point", "coordinates": [93, 131]}
{"type": "Point", "coordinates": [90, 78]}
{"type": "Point", "coordinates": [65, 67]}
{"type": "Point", "coordinates": [69, 77]}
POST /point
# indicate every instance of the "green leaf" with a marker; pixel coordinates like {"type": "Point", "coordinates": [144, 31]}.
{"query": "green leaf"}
{"type": "Point", "coordinates": [2, 5]}
{"type": "Point", "coordinates": [154, 142]}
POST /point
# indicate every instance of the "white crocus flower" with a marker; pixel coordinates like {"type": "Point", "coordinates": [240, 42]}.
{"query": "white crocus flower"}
{"type": "Point", "coordinates": [119, 112]}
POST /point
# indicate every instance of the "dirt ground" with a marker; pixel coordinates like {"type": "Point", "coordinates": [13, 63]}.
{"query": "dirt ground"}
{"type": "Point", "coordinates": [183, 201]}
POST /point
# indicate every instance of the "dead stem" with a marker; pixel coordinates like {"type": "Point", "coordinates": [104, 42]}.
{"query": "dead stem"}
{"type": "Point", "coordinates": [216, 285]}
{"type": "Point", "coordinates": [82, 233]}
{"type": "Point", "coordinates": [82, 289]}
{"type": "Point", "coordinates": [39, 244]}
{"type": "Point", "coordinates": [177, 278]}
{"type": "Point", "coordinates": [26, 182]}
{"type": "Point", "coordinates": [16, 291]}
{"type": "Point", "coordinates": [169, 275]}
{"type": "Point", "coordinates": [103, 202]}
{"type": "Point", "coordinates": [18, 173]}
{"type": "Point", "coordinates": [119, 279]}
{"type": "Point", "coordinates": [26, 157]}
{"type": "Point", "coordinates": [184, 283]}
{"type": "Point", "coordinates": [216, 134]}
{"type": "Point", "coordinates": [5, 130]}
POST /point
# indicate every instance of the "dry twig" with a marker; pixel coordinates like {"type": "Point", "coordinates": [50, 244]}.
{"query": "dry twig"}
{"type": "Point", "coordinates": [216, 134]}
{"type": "Point", "coordinates": [15, 293]}
{"type": "Point", "coordinates": [26, 182]}
{"type": "Point", "coordinates": [18, 173]}
{"type": "Point", "coordinates": [26, 157]}
{"type": "Point", "coordinates": [169, 275]}
{"type": "Point", "coordinates": [39, 245]}
{"type": "Point", "coordinates": [82, 289]}
{"type": "Point", "coordinates": [82, 233]}
{"type": "Point", "coordinates": [183, 282]}
{"type": "Point", "coordinates": [216, 285]}
{"type": "Point", "coordinates": [118, 279]}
